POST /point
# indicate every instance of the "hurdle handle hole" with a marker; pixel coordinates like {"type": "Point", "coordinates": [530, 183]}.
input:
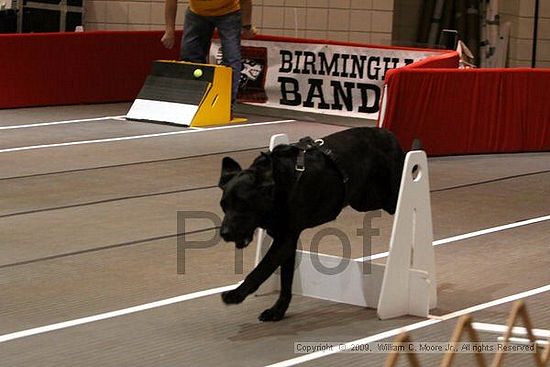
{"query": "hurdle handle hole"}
{"type": "Point", "coordinates": [416, 173]}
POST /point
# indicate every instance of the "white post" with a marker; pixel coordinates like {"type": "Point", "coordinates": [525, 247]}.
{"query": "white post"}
{"type": "Point", "coordinates": [409, 286]}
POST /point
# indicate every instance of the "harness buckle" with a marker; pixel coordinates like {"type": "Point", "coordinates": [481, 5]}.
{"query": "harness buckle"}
{"type": "Point", "coordinates": [300, 165]}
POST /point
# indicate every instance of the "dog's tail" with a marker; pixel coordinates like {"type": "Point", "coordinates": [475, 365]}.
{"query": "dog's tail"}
{"type": "Point", "coordinates": [417, 144]}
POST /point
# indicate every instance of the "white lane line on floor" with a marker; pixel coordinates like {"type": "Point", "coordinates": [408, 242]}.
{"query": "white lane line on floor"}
{"type": "Point", "coordinates": [183, 298]}
{"type": "Point", "coordinates": [466, 236]}
{"type": "Point", "coordinates": [135, 137]}
{"type": "Point", "coordinates": [117, 313]}
{"type": "Point", "coordinates": [42, 124]}
{"type": "Point", "coordinates": [492, 230]}
{"type": "Point", "coordinates": [411, 327]}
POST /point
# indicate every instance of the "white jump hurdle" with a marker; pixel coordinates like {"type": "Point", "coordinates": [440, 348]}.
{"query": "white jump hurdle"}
{"type": "Point", "coordinates": [406, 284]}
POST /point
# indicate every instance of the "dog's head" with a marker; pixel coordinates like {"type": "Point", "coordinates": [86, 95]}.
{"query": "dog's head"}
{"type": "Point", "coordinates": [248, 196]}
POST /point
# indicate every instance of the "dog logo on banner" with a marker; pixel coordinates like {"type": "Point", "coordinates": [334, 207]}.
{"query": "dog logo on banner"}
{"type": "Point", "coordinates": [253, 74]}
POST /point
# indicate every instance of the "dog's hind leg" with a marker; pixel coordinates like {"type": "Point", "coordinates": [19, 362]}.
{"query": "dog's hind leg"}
{"type": "Point", "coordinates": [277, 254]}
{"type": "Point", "coordinates": [277, 311]}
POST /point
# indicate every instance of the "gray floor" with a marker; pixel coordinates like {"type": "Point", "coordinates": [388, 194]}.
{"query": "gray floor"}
{"type": "Point", "coordinates": [91, 228]}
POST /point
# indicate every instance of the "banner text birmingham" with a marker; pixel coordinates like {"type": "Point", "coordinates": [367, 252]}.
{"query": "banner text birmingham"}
{"type": "Point", "coordinates": [300, 83]}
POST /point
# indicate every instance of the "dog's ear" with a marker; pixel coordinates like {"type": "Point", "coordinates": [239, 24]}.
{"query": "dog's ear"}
{"type": "Point", "coordinates": [229, 169]}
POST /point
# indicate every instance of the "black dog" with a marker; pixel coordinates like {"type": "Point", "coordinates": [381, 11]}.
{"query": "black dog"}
{"type": "Point", "coordinates": [300, 186]}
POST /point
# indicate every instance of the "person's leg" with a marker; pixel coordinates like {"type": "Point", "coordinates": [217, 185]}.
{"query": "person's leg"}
{"type": "Point", "coordinates": [229, 28]}
{"type": "Point", "coordinates": [197, 35]}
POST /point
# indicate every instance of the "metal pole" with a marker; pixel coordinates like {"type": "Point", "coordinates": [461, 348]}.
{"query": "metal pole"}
{"type": "Point", "coordinates": [62, 15]}
{"type": "Point", "coordinates": [20, 16]}
{"type": "Point", "coordinates": [535, 35]}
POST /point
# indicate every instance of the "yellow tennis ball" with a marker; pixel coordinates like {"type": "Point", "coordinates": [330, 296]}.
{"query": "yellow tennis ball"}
{"type": "Point", "coordinates": [197, 73]}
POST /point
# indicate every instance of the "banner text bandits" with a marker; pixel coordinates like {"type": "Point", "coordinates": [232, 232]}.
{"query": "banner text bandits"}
{"type": "Point", "coordinates": [358, 67]}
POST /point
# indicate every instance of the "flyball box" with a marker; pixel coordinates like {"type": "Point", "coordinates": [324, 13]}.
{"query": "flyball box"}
{"type": "Point", "coordinates": [173, 94]}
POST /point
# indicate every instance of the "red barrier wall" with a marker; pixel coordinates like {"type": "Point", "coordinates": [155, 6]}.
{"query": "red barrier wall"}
{"type": "Point", "coordinates": [90, 67]}
{"type": "Point", "coordinates": [73, 68]}
{"type": "Point", "coordinates": [469, 111]}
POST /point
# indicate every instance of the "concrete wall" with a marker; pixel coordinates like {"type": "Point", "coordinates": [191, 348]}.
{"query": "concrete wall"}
{"type": "Point", "coordinates": [520, 13]}
{"type": "Point", "coordinates": [365, 21]}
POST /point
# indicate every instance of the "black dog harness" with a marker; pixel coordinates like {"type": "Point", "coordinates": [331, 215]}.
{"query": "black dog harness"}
{"type": "Point", "coordinates": [308, 144]}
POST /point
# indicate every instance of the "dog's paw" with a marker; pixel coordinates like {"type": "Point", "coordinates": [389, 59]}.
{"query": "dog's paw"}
{"type": "Point", "coordinates": [271, 315]}
{"type": "Point", "coordinates": [232, 297]}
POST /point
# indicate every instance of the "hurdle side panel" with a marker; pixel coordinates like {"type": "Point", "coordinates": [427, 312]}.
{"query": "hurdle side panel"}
{"type": "Point", "coordinates": [423, 254]}
{"type": "Point", "coordinates": [411, 247]}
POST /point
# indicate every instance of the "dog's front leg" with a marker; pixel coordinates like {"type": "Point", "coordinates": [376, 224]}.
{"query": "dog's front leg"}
{"type": "Point", "coordinates": [277, 311]}
{"type": "Point", "coordinates": [277, 254]}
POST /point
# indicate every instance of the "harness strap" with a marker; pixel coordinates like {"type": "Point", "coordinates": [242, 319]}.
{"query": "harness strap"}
{"type": "Point", "coordinates": [329, 153]}
{"type": "Point", "coordinates": [306, 144]}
